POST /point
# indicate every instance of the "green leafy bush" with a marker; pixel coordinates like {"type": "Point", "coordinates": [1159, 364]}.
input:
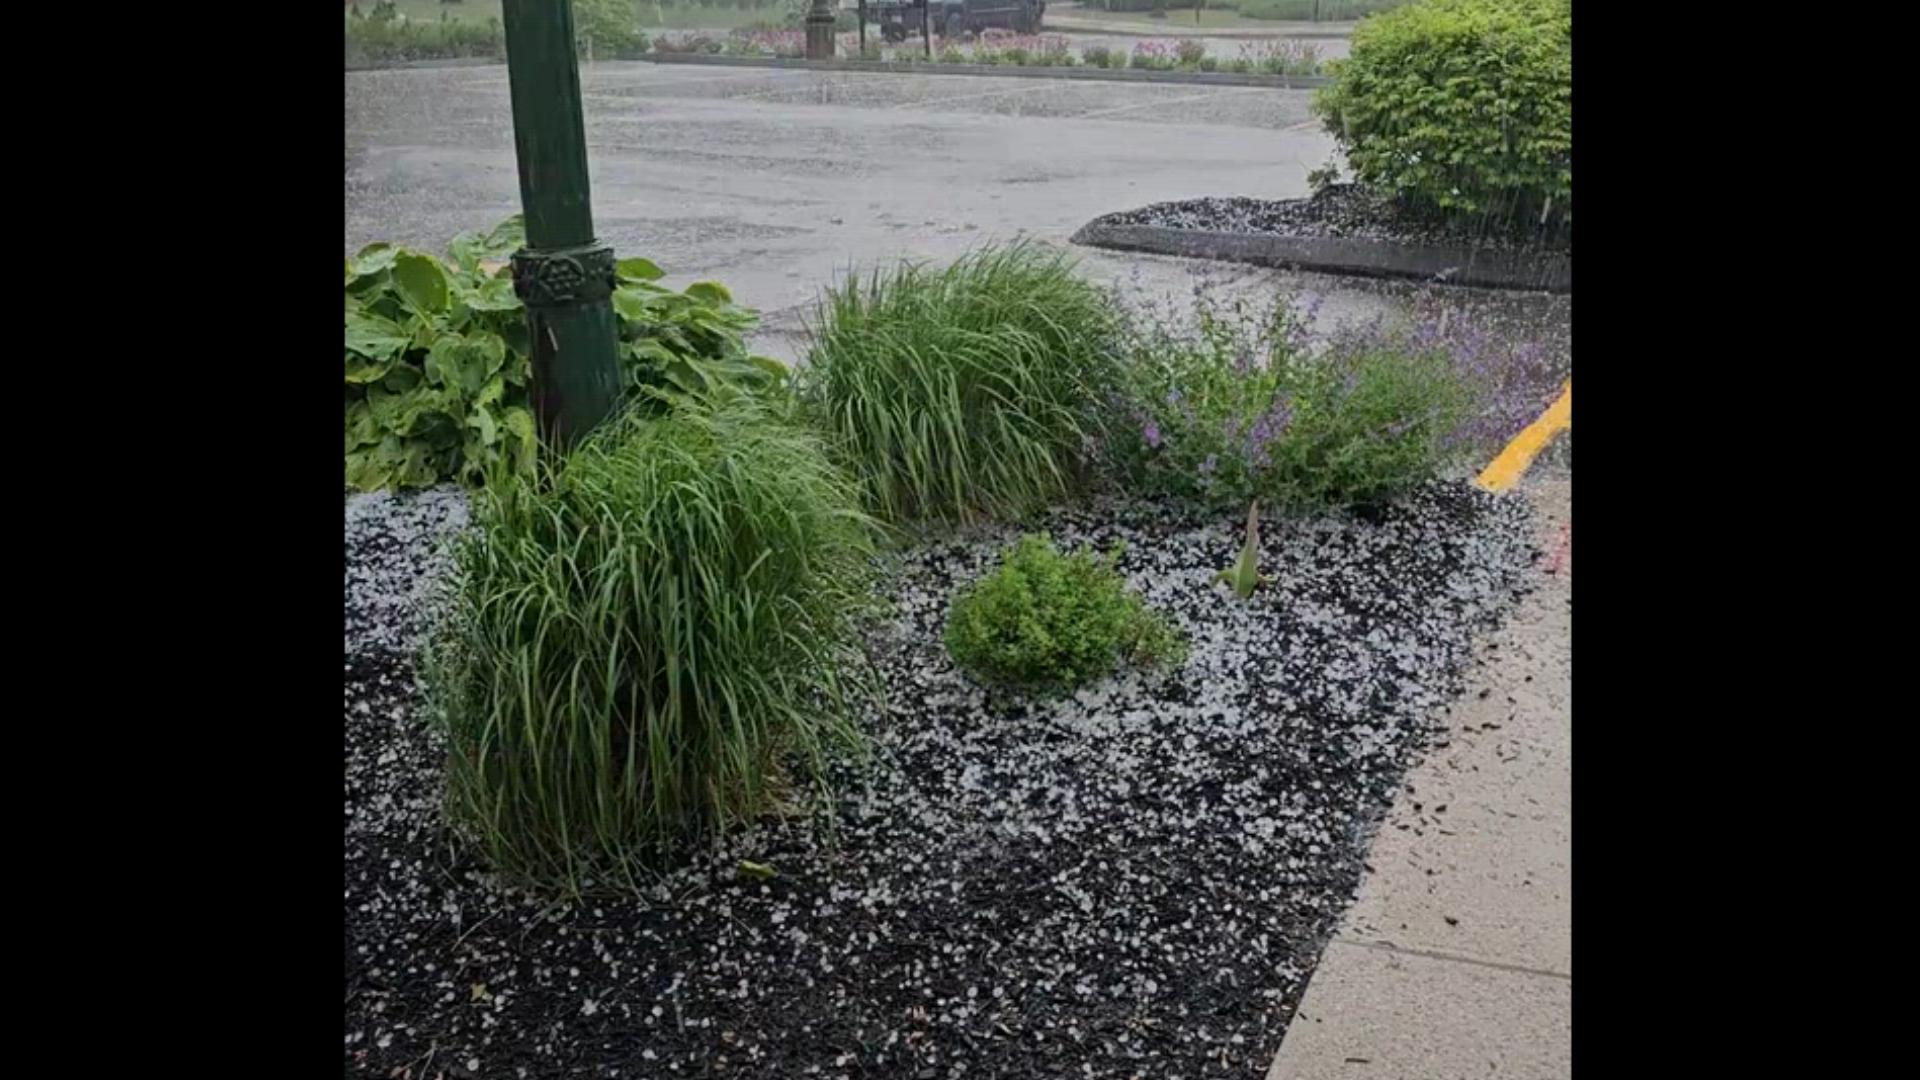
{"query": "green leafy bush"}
{"type": "Point", "coordinates": [386, 38]}
{"type": "Point", "coordinates": [607, 29]}
{"type": "Point", "coordinates": [1054, 52]}
{"type": "Point", "coordinates": [642, 635]}
{"type": "Point", "coordinates": [1155, 55]}
{"type": "Point", "coordinates": [1462, 108]}
{"type": "Point", "coordinates": [437, 360]}
{"type": "Point", "coordinates": [1238, 409]}
{"type": "Point", "coordinates": [603, 29]}
{"type": "Point", "coordinates": [693, 42]}
{"type": "Point", "coordinates": [1048, 621]}
{"type": "Point", "coordinates": [1100, 56]}
{"type": "Point", "coordinates": [964, 391]}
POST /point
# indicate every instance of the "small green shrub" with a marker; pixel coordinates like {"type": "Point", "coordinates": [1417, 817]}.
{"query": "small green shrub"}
{"type": "Point", "coordinates": [1189, 52]}
{"type": "Point", "coordinates": [964, 391]}
{"type": "Point", "coordinates": [1155, 55]}
{"type": "Point", "coordinates": [386, 38]}
{"type": "Point", "coordinates": [603, 29]}
{"type": "Point", "coordinates": [607, 29]}
{"type": "Point", "coordinates": [1098, 56]}
{"type": "Point", "coordinates": [437, 359]}
{"type": "Point", "coordinates": [1283, 57]}
{"type": "Point", "coordinates": [1048, 621]}
{"type": "Point", "coordinates": [1462, 109]}
{"type": "Point", "coordinates": [642, 635]}
{"type": "Point", "coordinates": [1054, 52]}
{"type": "Point", "coordinates": [1238, 409]}
{"type": "Point", "coordinates": [695, 42]}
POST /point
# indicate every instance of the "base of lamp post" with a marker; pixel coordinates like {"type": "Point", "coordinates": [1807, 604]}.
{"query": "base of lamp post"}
{"type": "Point", "coordinates": [574, 337]}
{"type": "Point", "coordinates": [819, 37]}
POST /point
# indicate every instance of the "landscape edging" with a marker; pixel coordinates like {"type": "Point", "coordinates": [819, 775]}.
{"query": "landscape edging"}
{"type": "Point", "coordinates": [1453, 264]}
{"type": "Point", "coordinates": [1190, 78]}
{"type": "Point", "coordinates": [1197, 78]}
{"type": "Point", "coordinates": [440, 62]}
{"type": "Point", "coordinates": [1328, 32]}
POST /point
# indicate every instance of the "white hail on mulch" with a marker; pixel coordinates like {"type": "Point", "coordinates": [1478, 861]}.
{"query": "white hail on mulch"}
{"type": "Point", "coordinates": [1131, 882]}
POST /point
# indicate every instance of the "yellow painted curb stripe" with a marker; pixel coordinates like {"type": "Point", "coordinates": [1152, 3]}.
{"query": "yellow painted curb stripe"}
{"type": "Point", "coordinates": [1513, 461]}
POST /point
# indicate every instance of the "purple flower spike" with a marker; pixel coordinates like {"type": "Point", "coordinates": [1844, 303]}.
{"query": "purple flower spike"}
{"type": "Point", "coordinates": [1152, 434]}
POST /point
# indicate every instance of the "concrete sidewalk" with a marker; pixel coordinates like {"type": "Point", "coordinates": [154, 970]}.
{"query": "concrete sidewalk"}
{"type": "Point", "coordinates": [1457, 959]}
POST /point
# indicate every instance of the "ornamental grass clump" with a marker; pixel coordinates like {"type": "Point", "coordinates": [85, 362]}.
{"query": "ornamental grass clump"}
{"type": "Point", "coordinates": [649, 642]}
{"type": "Point", "coordinates": [1047, 621]}
{"type": "Point", "coordinates": [963, 392]}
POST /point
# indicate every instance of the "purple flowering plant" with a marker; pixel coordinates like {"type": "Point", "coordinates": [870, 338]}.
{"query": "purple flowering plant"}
{"type": "Point", "coordinates": [1242, 402]}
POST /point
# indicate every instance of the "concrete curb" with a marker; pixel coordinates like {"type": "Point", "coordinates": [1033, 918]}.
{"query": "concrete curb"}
{"type": "Point", "coordinates": [1189, 78]}
{"type": "Point", "coordinates": [1452, 264]}
{"type": "Point", "coordinates": [449, 62]}
{"type": "Point", "coordinates": [1186, 78]}
{"type": "Point", "coordinates": [1063, 25]}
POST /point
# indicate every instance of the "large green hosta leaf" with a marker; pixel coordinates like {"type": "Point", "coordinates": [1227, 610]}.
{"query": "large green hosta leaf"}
{"type": "Point", "coordinates": [437, 361]}
{"type": "Point", "coordinates": [375, 338]}
{"type": "Point", "coordinates": [374, 258]}
{"type": "Point", "coordinates": [422, 280]}
{"type": "Point", "coordinates": [466, 363]}
{"type": "Point", "coordinates": [471, 249]}
{"type": "Point", "coordinates": [489, 295]}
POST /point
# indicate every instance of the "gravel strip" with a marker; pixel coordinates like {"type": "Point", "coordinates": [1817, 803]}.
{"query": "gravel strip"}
{"type": "Point", "coordinates": [1132, 882]}
{"type": "Point", "coordinates": [1342, 211]}
{"type": "Point", "coordinates": [394, 556]}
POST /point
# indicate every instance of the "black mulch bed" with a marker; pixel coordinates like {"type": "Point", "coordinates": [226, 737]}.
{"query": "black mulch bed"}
{"type": "Point", "coordinates": [1339, 211]}
{"type": "Point", "coordinates": [1135, 882]}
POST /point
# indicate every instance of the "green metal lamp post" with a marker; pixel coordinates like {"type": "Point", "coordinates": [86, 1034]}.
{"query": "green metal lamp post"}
{"type": "Point", "coordinates": [564, 276]}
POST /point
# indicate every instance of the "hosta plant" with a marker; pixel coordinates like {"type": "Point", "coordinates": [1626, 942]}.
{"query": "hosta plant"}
{"type": "Point", "coordinates": [437, 360]}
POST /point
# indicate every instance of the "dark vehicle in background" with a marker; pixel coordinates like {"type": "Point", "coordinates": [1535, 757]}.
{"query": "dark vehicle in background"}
{"type": "Point", "coordinates": [899, 19]}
